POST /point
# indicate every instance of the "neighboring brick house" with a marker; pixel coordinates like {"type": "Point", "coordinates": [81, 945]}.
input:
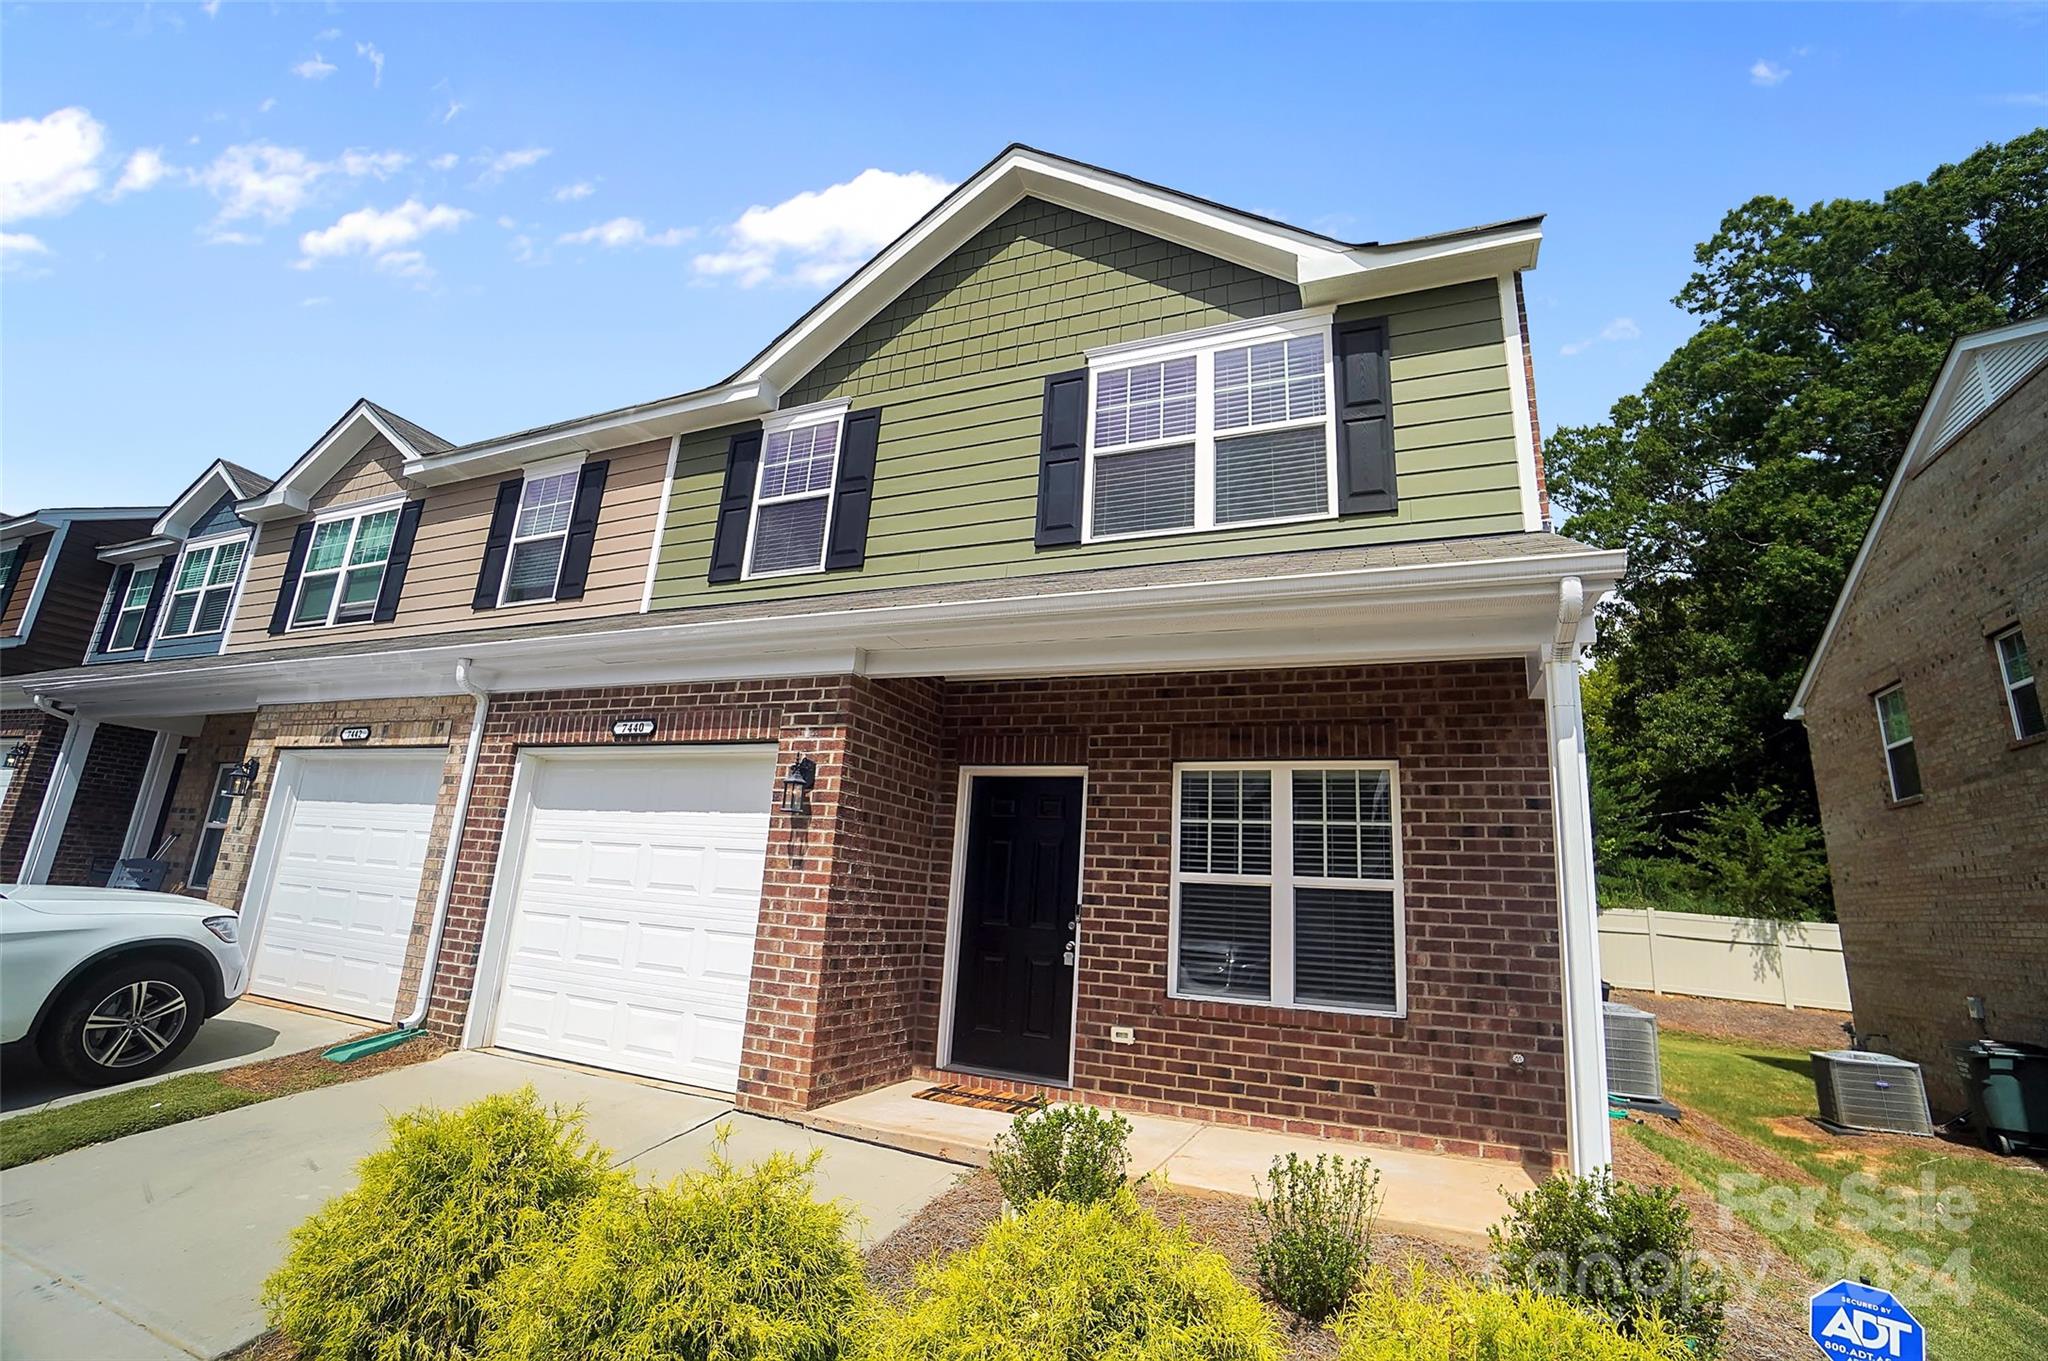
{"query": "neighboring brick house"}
{"type": "Point", "coordinates": [1925, 722]}
{"type": "Point", "coordinates": [1112, 644]}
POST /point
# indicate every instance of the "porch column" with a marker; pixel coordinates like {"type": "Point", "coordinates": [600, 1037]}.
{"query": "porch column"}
{"type": "Point", "coordinates": [149, 799]}
{"type": "Point", "coordinates": [57, 797]}
{"type": "Point", "coordinates": [1585, 1046]}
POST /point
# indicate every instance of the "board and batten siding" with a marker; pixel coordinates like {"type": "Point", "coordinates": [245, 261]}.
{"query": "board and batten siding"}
{"type": "Point", "coordinates": [449, 548]}
{"type": "Point", "coordinates": [958, 363]}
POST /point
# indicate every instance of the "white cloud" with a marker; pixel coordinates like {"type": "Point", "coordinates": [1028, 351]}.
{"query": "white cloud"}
{"type": "Point", "coordinates": [315, 302]}
{"type": "Point", "coordinates": [447, 160]}
{"type": "Point", "coordinates": [20, 243]}
{"type": "Point", "coordinates": [267, 105]}
{"type": "Point", "coordinates": [821, 235]}
{"type": "Point", "coordinates": [209, 7]}
{"type": "Point", "coordinates": [369, 53]}
{"type": "Point", "coordinates": [1767, 73]}
{"type": "Point", "coordinates": [405, 264]}
{"type": "Point", "coordinates": [522, 249]}
{"type": "Point", "coordinates": [455, 105]}
{"type": "Point", "coordinates": [314, 67]}
{"type": "Point", "coordinates": [505, 163]}
{"type": "Point", "coordinates": [571, 193]}
{"type": "Point", "coordinates": [370, 231]}
{"type": "Point", "coordinates": [262, 179]}
{"type": "Point", "coordinates": [145, 170]}
{"type": "Point", "coordinates": [624, 231]}
{"type": "Point", "coordinates": [1616, 331]}
{"type": "Point", "coordinates": [48, 164]}
{"type": "Point", "coordinates": [326, 35]}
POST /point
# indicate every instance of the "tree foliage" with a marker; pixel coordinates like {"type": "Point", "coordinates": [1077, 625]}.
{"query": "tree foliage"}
{"type": "Point", "coordinates": [1742, 477]}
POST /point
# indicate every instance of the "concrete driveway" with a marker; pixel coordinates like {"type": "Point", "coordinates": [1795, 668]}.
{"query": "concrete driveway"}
{"type": "Point", "coordinates": [156, 1246]}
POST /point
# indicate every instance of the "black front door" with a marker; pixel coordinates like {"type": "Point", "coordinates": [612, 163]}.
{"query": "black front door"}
{"type": "Point", "coordinates": [1013, 988]}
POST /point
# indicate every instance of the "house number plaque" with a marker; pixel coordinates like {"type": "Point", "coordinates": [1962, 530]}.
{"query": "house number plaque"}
{"type": "Point", "coordinates": [633, 727]}
{"type": "Point", "coordinates": [358, 733]}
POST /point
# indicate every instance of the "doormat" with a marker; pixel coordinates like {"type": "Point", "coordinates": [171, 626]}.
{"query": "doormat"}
{"type": "Point", "coordinates": [982, 1099]}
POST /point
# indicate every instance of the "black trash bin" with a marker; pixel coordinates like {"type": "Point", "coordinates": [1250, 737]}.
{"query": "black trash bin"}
{"type": "Point", "coordinates": [2008, 1090]}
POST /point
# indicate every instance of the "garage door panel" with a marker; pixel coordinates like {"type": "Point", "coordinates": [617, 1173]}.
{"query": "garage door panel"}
{"type": "Point", "coordinates": [632, 934]}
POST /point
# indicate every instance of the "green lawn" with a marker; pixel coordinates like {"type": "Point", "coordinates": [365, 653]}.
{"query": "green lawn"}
{"type": "Point", "coordinates": [44, 1134]}
{"type": "Point", "coordinates": [1948, 1219]}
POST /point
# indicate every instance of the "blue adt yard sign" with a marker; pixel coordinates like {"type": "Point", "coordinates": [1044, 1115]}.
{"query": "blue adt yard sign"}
{"type": "Point", "coordinates": [1854, 1322]}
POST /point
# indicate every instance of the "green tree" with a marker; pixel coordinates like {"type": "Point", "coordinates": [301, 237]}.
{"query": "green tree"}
{"type": "Point", "coordinates": [1757, 861]}
{"type": "Point", "coordinates": [1741, 478]}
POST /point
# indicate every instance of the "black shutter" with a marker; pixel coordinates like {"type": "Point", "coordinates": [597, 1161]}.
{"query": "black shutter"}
{"type": "Point", "coordinates": [157, 590]}
{"type": "Point", "coordinates": [1061, 458]}
{"type": "Point", "coordinates": [736, 506]}
{"type": "Point", "coordinates": [846, 543]}
{"type": "Point", "coordinates": [400, 559]}
{"type": "Point", "coordinates": [492, 572]}
{"type": "Point", "coordinates": [116, 589]}
{"type": "Point", "coordinates": [288, 589]}
{"type": "Point", "coordinates": [582, 531]}
{"type": "Point", "coordinates": [1365, 420]}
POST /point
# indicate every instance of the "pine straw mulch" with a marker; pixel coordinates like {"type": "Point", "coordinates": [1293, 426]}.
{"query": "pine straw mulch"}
{"type": "Point", "coordinates": [305, 1071]}
{"type": "Point", "coordinates": [1743, 1022]}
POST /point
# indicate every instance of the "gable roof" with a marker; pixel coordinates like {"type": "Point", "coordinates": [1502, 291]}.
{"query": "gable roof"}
{"type": "Point", "coordinates": [291, 494]}
{"type": "Point", "coordinates": [1981, 371]}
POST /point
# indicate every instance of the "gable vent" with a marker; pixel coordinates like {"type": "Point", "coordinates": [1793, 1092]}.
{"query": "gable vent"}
{"type": "Point", "coordinates": [1990, 373]}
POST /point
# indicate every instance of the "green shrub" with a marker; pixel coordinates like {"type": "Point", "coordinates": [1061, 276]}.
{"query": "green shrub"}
{"type": "Point", "coordinates": [1072, 1153]}
{"type": "Point", "coordinates": [1315, 1230]}
{"type": "Point", "coordinates": [1451, 1319]}
{"type": "Point", "coordinates": [398, 1268]}
{"type": "Point", "coordinates": [1622, 1250]}
{"type": "Point", "coordinates": [721, 1264]}
{"type": "Point", "coordinates": [1102, 1282]}
{"type": "Point", "coordinates": [1760, 860]}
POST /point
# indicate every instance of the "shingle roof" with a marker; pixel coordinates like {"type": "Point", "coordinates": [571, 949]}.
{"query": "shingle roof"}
{"type": "Point", "coordinates": [249, 480]}
{"type": "Point", "coordinates": [422, 440]}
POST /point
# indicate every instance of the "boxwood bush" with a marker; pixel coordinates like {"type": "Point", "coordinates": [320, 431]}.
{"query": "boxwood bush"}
{"type": "Point", "coordinates": [1105, 1281]}
{"type": "Point", "coordinates": [398, 1268]}
{"type": "Point", "coordinates": [1072, 1153]}
{"type": "Point", "coordinates": [726, 1263]}
{"type": "Point", "coordinates": [1314, 1221]}
{"type": "Point", "coordinates": [1448, 1318]}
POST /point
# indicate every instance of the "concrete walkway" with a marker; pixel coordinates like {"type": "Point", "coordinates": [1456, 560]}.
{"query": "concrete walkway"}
{"type": "Point", "coordinates": [156, 1246]}
{"type": "Point", "coordinates": [247, 1032]}
{"type": "Point", "coordinates": [1427, 1193]}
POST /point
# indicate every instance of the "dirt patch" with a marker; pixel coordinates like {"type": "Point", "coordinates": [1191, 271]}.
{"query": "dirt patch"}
{"type": "Point", "coordinates": [301, 1072]}
{"type": "Point", "coordinates": [1747, 1022]}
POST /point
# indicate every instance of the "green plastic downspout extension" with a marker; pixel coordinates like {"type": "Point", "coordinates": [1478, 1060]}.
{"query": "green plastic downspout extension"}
{"type": "Point", "coordinates": [351, 1050]}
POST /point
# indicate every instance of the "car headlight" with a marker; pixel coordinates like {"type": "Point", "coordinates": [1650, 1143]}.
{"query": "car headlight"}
{"type": "Point", "coordinates": [224, 927]}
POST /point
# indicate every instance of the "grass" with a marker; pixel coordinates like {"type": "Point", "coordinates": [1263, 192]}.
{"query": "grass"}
{"type": "Point", "coordinates": [1963, 1236]}
{"type": "Point", "coordinates": [41, 1134]}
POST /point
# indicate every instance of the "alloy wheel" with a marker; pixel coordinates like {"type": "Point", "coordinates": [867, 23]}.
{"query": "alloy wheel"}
{"type": "Point", "coordinates": [134, 1023]}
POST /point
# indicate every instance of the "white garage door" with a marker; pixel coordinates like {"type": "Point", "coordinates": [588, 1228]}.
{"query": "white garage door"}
{"type": "Point", "coordinates": [632, 933]}
{"type": "Point", "coordinates": [345, 879]}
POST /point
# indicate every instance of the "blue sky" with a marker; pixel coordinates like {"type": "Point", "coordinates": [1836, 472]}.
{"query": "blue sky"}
{"type": "Point", "coordinates": [223, 223]}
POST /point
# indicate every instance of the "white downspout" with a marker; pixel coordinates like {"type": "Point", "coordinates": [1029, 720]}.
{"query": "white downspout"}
{"type": "Point", "coordinates": [465, 680]}
{"type": "Point", "coordinates": [59, 793]}
{"type": "Point", "coordinates": [1589, 1139]}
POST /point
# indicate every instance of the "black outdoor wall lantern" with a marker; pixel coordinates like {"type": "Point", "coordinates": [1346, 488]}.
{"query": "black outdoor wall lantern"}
{"type": "Point", "coordinates": [796, 786]}
{"type": "Point", "coordinates": [17, 755]}
{"type": "Point", "coordinates": [241, 779]}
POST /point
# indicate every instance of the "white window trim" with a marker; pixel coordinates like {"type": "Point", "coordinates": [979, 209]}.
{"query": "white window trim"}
{"type": "Point", "coordinates": [119, 608]}
{"type": "Point", "coordinates": [818, 413]}
{"type": "Point", "coordinates": [1281, 965]}
{"type": "Point", "coordinates": [532, 473]}
{"type": "Point", "coordinates": [207, 824]}
{"type": "Point", "coordinates": [1891, 779]}
{"type": "Point", "coordinates": [2013, 687]}
{"type": "Point", "coordinates": [358, 512]}
{"type": "Point", "coordinates": [176, 565]}
{"type": "Point", "coordinates": [1203, 344]}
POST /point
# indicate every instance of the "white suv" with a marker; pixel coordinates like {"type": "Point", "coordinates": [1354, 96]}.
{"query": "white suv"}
{"type": "Point", "coordinates": [111, 984]}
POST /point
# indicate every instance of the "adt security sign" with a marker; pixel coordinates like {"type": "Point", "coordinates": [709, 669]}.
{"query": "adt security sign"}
{"type": "Point", "coordinates": [1854, 1322]}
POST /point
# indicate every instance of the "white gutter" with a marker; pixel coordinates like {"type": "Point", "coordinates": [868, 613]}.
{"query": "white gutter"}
{"type": "Point", "coordinates": [431, 961]}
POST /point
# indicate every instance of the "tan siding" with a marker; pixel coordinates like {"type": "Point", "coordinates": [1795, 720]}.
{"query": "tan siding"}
{"type": "Point", "coordinates": [958, 366]}
{"type": "Point", "coordinates": [449, 549]}
{"type": "Point", "coordinates": [372, 473]}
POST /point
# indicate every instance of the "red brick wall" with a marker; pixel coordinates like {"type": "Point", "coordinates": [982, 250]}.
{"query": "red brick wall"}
{"type": "Point", "coordinates": [24, 798]}
{"type": "Point", "coordinates": [98, 824]}
{"type": "Point", "coordinates": [224, 738]}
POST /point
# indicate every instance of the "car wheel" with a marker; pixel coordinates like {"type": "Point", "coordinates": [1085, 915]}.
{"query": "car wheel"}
{"type": "Point", "coordinates": [125, 1022]}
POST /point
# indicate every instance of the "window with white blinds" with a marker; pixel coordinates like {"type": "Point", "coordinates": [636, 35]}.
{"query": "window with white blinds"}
{"type": "Point", "coordinates": [1286, 886]}
{"type": "Point", "coordinates": [540, 536]}
{"type": "Point", "coordinates": [793, 497]}
{"type": "Point", "coordinates": [203, 588]}
{"type": "Point", "coordinates": [1222, 427]}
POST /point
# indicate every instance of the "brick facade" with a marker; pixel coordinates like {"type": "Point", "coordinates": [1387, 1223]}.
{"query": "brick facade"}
{"type": "Point", "coordinates": [1945, 896]}
{"type": "Point", "coordinates": [850, 953]}
{"type": "Point", "coordinates": [100, 811]}
{"type": "Point", "coordinates": [225, 738]}
{"type": "Point", "coordinates": [27, 782]}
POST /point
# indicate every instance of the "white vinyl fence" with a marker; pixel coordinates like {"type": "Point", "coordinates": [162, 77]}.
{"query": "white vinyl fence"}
{"type": "Point", "coordinates": [1795, 964]}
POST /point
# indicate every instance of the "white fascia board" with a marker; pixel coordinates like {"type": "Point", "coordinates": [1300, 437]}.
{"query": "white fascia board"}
{"type": "Point", "coordinates": [293, 492]}
{"type": "Point", "coordinates": [196, 500]}
{"type": "Point", "coordinates": [1488, 608]}
{"type": "Point", "coordinates": [137, 550]}
{"type": "Point", "coordinates": [1379, 272]}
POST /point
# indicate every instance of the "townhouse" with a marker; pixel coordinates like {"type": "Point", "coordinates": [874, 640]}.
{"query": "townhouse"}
{"type": "Point", "coordinates": [1112, 645]}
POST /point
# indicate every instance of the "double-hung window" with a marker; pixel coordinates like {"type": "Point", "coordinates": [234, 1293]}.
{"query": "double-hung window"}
{"type": "Point", "coordinates": [203, 588]}
{"type": "Point", "coordinates": [1213, 429]}
{"type": "Point", "coordinates": [218, 806]}
{"type": "Point", "coordinates": [793, 491]}
{"type": "Point", "coordinates": [2022, 691]}
{"type": "Point", "coordinates": [1896, 732]}
{"type": "Point", "coordinates": [344, 567]}
{"type": "Point", "coordinates": [540, 534]}
{"type": "Point", "coordinates": [130, 609]}
{"type": "Point", "coordinates": [1287, 886]}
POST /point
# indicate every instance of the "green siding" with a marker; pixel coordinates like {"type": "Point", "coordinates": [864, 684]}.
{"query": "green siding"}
{"type": "Point", "coordinates": [958, 363]}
